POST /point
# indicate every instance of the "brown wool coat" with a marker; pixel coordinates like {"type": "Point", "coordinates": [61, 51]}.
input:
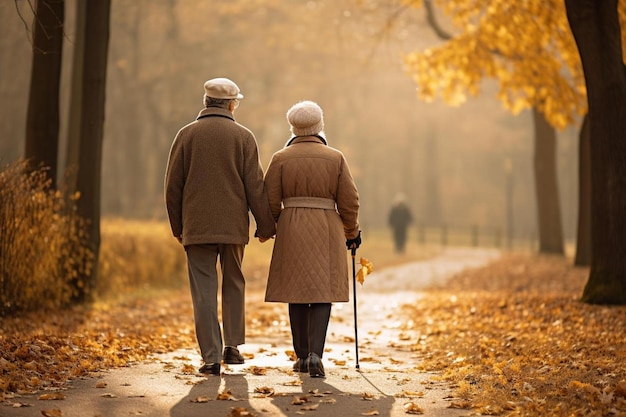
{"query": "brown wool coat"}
{"type": "Point", "coordinates": [310, 262]}
{"type": "Point", "coordinates": [213, 178]}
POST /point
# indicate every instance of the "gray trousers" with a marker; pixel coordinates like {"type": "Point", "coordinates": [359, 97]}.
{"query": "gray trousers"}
{"type": "Point", "coordinates": [202, 264]}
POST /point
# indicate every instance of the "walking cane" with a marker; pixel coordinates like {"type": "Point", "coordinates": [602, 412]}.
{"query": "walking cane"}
{"type": "Point", "coordinates": [356, 334]}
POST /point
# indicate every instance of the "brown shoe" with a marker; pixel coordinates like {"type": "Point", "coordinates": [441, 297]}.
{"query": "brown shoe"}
{"type": "Point", "coordinates": [232, 356]}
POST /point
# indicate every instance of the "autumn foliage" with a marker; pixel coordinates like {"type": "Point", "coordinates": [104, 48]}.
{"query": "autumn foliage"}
{"type": "Point", "coordinates": [514, 339]}
{"type": "Point", "coordinates": [526, 46]}
{"type": "Point", "coordinates": [42, 249]}
{"type": "Point", "coordinates": [138, 255]}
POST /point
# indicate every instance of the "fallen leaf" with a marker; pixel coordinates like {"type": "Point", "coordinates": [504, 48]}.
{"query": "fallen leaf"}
{"type": "Point", "coordinates": [620, 389]}
{"type": "Point", "coordinates": [101, 384]}
{"type": "Point", "coordinates": [370, 413]}
{"type": "Point", "coordinates": [226, 396]}
{"type": "Point", "coordinates": [52, 396]}
{"type": "Point", "coordinates": [188, 369]}
{"type": "Point", "coordinates": [300, 400]}
{"type": "Point", "coordinates": [267, 391]}
{"type": "Point", "coordinates": [413, 408]}
{"type": "Point", "coordinates": [200, 399]}
{"type": "Point", "coordinates": [311, 407]}
{"type": "Point", "coordinates": [255, 370]}
{"type": "Point", "coordinates": [52, 413]}
{"type": "Point", "coordinates": [461, 404]}
{"type": "Point", "coordinates": [367, 396]}
{"type": "Point", "coordinates": [293, 383]}
{"type": "Point", "coordinates": [410, 394]}
{"type": "Point", "coordinates": [240, 412]}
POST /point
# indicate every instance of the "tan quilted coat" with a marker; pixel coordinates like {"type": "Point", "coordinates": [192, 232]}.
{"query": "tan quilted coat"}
{"type": "Point", "coordinates": [310, 260]}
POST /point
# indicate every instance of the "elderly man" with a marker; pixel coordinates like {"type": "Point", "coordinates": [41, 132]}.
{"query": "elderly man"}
{"type": "Point", "coordinates": [213, 179]}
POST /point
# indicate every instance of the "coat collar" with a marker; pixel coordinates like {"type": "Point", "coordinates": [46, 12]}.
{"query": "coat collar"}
{"type": "Point", "coordinates": [308, 138]}
{"type": "Point", "coordinates": [215, 111]}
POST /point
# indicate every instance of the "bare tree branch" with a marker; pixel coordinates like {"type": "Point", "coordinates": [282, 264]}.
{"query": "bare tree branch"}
{"type": "Point", "coordinates": [19, 13]}
{"type": "Point", "coordinates": [382, 33]}
{"type": "Point", "coordinates": [431, 18]}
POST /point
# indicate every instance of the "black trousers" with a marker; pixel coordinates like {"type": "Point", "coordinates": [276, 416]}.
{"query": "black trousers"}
{"type": "Point", "coordinates": [309, 323]}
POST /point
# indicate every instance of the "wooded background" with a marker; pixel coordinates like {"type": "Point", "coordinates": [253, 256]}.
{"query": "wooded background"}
{"type": "Point", "coordinates": [451, 162]}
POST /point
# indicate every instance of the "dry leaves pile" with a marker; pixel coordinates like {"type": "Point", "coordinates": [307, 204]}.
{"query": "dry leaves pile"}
{"type": "Point", "coordinates": [514, 340]}
{"type": "Point", "coordinates": [42, 350]}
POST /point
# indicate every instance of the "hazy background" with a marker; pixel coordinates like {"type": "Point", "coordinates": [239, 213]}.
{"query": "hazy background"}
{"type": "Point", "coordinates": [343, 54]}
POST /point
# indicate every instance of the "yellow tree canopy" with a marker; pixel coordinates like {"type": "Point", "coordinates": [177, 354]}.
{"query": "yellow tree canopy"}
{"type": "Point", "coordinates": [526, 45]}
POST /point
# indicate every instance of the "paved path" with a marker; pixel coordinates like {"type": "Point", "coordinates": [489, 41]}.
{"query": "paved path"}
{"type": "Point", "coordinates": [385, 384]}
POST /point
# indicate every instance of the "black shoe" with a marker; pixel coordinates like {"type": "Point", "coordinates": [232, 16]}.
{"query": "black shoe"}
{"type": "Point", "coordinates": [210, 368]}
{"type": "Point", "coordinates": [314, 364]}
{"type": "Point", "coordinates": [300, 365]}
{"type": "Point", "coordinates": [232, 356]}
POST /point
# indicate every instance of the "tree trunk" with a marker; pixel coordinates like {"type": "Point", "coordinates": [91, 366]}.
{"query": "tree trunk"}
{"type": "Point", "coordinates": [42, 120]}
{"type": "Point", "coordinates": [596, 29]}
{"type": "Point", "coordinates": [583, 239]}
{"type": "Point", "coordinates": [546, 187]}
{"type": "Point", "coordinates": [76, 104]}
{"type": "Point", "coordinates": [91, 129]}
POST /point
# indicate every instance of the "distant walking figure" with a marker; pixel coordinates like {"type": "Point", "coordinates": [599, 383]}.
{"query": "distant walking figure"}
{"type": "Point", "coordinates": [315, 202]}
{"type": "Point", "coordinates": [400, 218]}
{"type": "Point", "coordinates": [213, 179]}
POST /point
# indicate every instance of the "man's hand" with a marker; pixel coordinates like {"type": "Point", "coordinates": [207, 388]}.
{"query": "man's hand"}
{"type": "Point", "coordinates": [264, 239]}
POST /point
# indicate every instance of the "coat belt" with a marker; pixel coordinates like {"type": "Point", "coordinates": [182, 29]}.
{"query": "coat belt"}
{"type": "Point", "coordinates": [310, 202]}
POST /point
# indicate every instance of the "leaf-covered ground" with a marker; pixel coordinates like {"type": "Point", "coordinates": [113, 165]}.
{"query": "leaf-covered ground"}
{"type": "Point", "coordinates": [514, 339]}
{"type": "Point", "coordinates": [511, 338]}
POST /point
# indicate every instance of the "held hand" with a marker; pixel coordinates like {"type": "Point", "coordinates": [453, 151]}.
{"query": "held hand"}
{"type": "Point", "coordinates": [265, 239]}
{"type": "Point", "coordinates": [354, 243]}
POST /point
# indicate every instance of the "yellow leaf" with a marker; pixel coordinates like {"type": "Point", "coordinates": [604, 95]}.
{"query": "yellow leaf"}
{"type": "Point", "coordinates": [412, 408]}
{"type": "Point", "coordinates": [367, 396]}
{"type": "Point", "coordinates": [226, 396]}
{"type": "Point", "coordinates": [52, 396]}
{"type": "Point", "coordinates": [366, 268]}
{"type": "Point", "coordinates": [255, 370]}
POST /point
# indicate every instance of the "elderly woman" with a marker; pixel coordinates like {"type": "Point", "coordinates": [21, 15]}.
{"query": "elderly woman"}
{"type": "Point", "coordinates": [315, 202]}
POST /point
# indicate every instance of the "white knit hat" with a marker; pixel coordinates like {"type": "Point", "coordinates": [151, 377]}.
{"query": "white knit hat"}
{"type": "Point", "coordinates": [305, 118]}
{"type": "Point", "coordinates": [222, 88]}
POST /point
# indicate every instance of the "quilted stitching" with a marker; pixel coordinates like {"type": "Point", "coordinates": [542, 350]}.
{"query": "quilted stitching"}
{"type": "Point", "coordinates": [309, 263]}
